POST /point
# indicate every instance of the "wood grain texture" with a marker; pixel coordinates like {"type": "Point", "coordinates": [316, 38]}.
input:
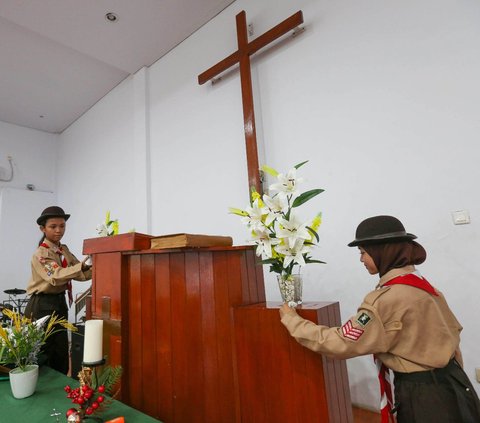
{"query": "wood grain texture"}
{"type": "Point", "coordinates": [280, 379]}
{"type": "Point", "coordinates": [174, 329]}
{"type": "Point", "coordinates": [242, 57]}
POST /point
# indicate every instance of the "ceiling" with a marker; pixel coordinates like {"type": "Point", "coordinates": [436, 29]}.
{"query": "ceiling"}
{"type": "Point", "coordinates": [59, 57]}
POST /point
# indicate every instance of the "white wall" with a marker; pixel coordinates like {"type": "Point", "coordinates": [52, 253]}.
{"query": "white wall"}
{"type": "Point", "coordinates": [381, 97]}
{"type": "Point", "coordinates": [34, 158]}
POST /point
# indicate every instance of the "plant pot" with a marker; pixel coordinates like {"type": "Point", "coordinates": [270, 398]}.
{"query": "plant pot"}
{"type": "Point", "coordinates": [24, 383]}
{"type": "Point", "coordinates": [291, 288]}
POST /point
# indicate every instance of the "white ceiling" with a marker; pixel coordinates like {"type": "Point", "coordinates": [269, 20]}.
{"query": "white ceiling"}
{"type": "Point", "coordinates": [59, 57]}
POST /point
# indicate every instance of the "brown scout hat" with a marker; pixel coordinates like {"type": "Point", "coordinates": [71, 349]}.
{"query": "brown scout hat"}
{"type": "Point", "coordinates": [52, 211]}
{"type": "Point", "coordinates": [379, 230]}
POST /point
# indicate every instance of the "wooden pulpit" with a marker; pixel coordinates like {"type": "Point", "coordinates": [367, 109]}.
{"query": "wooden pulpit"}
{"type": "Point", "coordinates": [169, 322]}
{"type": "Point", "coordinates": [178, 322]}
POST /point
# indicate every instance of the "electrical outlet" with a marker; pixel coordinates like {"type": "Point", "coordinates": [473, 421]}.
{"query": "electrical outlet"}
{"type": "Point", "coordinates": [477, 374]}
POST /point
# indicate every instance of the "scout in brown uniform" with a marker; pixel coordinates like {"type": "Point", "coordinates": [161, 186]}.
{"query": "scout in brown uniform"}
{"type": "Point", "coordinates": [53, 268]}
{"type": "Point", "coordinates": [406, 323]}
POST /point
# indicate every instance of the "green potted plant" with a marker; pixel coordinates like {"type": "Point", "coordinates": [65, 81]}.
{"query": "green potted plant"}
{"type": "Point", "coordinates": [21, 341]}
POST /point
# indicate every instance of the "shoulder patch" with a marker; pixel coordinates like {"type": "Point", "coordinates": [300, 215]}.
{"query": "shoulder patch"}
{"type": "Point", "coordinates": [363, 319]}
{"type": "Point", "coordinates": [351, 332]}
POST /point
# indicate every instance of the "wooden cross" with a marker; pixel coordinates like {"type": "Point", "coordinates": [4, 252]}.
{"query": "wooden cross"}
{"type": "Point", "coordinates": [242, 56]}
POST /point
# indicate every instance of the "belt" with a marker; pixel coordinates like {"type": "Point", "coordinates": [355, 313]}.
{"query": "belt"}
{"type": "Point", "coordinates": [427, 376]}
{"type": "Point", "coordinates": [44, 294]}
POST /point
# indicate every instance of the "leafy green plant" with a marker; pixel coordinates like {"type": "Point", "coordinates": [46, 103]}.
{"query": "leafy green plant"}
{"type": "Point", "coordinates": [22, 339]}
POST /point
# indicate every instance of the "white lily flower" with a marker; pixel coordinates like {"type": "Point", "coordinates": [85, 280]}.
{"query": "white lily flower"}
{"type": "Point", "coordinates": [264, 244]}
{"type": "Point", "coordinates": [40, 322]}
{"type": "Point", "coordinates": [292, 230]}
{"type": "Point", "coordinates": [286, 185]}
{"type": "Point", "coordinates": [293, 254]}
{"type": "Point", "coordinates": [254, 218]}
{"type": "Point", "coordinates": [102, 230]}
{"type": "Point", "coordinates": [274, 208]}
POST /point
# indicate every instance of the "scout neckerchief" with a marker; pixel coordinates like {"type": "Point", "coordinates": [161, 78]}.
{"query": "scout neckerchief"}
{"type": "Point", "coordinates": [386, 402]}
{"type": "Point", "coordinates": [63, 260]}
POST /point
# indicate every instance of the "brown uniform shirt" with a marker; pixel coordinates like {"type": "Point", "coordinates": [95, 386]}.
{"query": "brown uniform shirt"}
{"type": "Point", "coordinates": [407, 328]}
{"type": "Point", "coordinates": [48, 275]}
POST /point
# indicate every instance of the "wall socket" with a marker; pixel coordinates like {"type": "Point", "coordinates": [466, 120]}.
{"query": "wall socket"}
{"type": "Point", "coordinates": [477, 374]}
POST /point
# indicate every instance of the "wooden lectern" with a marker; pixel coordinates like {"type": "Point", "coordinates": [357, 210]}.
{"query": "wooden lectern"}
{"type": "Point", "coordinates": [169, 321]}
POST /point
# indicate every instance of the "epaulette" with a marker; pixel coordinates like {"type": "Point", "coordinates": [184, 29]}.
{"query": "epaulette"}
{"type": "Point", "coordinates": [373, 296]}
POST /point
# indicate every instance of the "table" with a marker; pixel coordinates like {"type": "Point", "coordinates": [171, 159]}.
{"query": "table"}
{"type": "Point", "coordinates": [50, 395]}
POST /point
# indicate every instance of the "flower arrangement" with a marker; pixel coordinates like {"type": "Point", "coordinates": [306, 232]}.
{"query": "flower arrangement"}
{"type": "Point", "coordinates": [282, 240]}
{"type": "Point", "coordinates": [109, 227]}
{"type": "Point", "coordinates": [90, 396]}
{"type": "Point", "coordinates": [21, 340]}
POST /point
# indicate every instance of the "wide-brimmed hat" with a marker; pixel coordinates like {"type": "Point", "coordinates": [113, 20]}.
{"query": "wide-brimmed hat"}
{"type": "Point", "coordinates": [52, 211]}
{"type": "Point", "coordinates": [380, 229]}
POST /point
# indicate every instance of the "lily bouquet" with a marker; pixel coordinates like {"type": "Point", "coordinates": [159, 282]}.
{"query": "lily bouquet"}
{"type": "Point", "coordinates": [282, 240]}
{"type": "Point", "coordinates": [109, 227]}
{"type": "Point", "coordinates": [22, 339]}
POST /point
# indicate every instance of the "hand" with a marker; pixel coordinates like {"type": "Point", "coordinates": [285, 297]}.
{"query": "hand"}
{"type": "Point", "coordinates": [86, 263]}
{"type": "Point", "coordinates": [285, 309]}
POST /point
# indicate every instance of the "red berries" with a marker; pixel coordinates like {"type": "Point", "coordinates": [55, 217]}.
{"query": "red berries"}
{"type": "Point", "coordinates": [86, 398]}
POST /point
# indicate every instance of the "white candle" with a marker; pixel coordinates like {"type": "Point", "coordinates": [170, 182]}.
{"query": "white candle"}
{"type": "Point", "coordinates": [92, 349]}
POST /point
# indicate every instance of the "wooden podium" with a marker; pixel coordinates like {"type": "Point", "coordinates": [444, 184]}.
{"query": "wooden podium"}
{"type": "Point", "coordinates": [172, 320]}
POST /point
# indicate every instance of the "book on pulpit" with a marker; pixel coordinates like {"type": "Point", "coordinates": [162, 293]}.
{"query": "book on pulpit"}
{"type": "Point", "coordinates": [190, 240]}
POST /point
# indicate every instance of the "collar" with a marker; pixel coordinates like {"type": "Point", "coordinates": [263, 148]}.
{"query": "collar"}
{"type": "Point", "coordinates": [54, 247]}
{"type": "Point", "coordinates": [391, 274]}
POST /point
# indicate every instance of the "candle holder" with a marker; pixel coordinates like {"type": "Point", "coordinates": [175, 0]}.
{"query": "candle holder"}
{"type": "Point", "coordinates": [94, 366]}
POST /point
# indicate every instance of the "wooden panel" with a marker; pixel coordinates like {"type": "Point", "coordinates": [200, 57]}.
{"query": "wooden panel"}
{"type": "Point", "coordinates": [162, 375]}
{"type": "Point", "coordinates": [281, 380]}
{"type": "Point", "coordinates": [123, 242]}
{"type": "Point", "coordinates": [146, 338]}
{"type": "Point", "coordinates": [209, 337]}
{"type": "Point", "coordinates": [226, 396]}
{"type": "Point", "coordinates": [132, 357]}
{"type": "Point", "coordinates": [194, 347]}
{"type": "Point", "coordinates": [107, 277]}
{"type": "Point", "coordinates": [180, 334]}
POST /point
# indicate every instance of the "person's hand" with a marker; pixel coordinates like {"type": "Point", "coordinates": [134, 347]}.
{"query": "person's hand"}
{"type": "Point", "coordinates": [86, 263]}
{"type": "Point", "coordinates": [286, 309]}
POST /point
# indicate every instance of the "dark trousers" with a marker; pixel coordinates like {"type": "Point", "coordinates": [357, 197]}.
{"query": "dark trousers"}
{"type": "Point", "coordinates": [441, 396]}
{"type": "Point", "coordinates": [56, 346]}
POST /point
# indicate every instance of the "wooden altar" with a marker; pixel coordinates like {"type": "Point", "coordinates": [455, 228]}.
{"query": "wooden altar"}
{"type": "Point", "coordinates": [174, 319]}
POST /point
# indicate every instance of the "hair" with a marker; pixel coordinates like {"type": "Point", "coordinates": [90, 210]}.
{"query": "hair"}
{"type": "Point", "coordinates": [392, 255]}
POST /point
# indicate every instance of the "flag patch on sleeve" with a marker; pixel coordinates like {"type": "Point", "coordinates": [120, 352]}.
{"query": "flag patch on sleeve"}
{"type": "Point", "coordinates": [363, 319]}
{"type": "Point", "coordinates": [351, 332]}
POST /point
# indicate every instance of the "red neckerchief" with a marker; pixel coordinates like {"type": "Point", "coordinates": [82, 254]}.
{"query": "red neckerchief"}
{"type": "Point", "coordinates": [64, 264]}
{"type": "Point", "coordinates": [412, 279]}
{"type": "Point", "coordinates": [386, 402]}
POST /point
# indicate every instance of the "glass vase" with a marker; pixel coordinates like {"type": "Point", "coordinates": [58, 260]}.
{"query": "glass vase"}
{"type": "Point", "coordinates": [291, 287]}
